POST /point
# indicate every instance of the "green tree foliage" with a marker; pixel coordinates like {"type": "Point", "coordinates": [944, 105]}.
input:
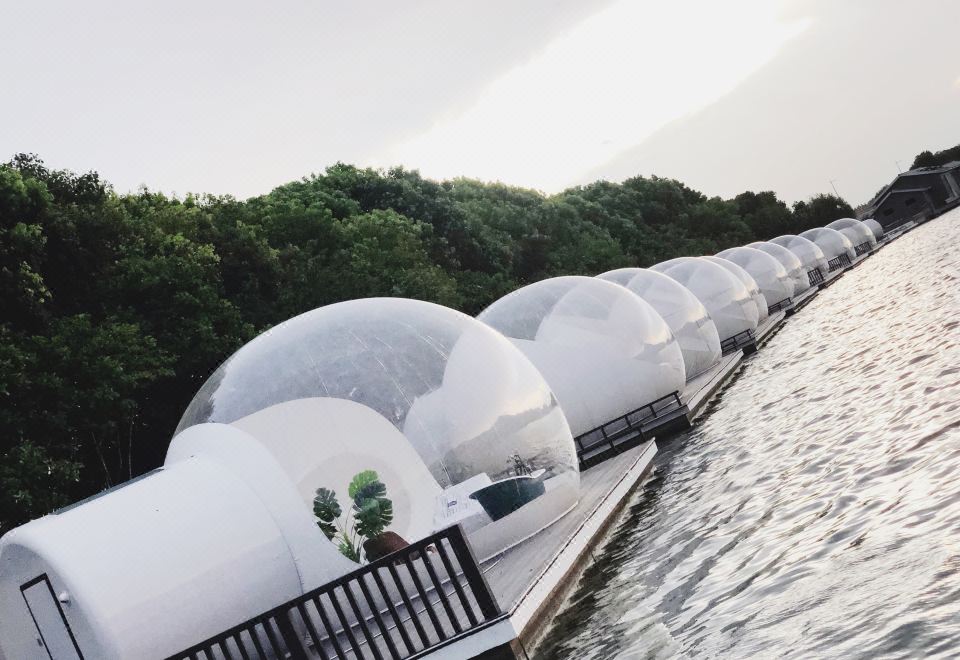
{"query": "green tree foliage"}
{"type": "Point", "coordinates": [818, 211]}
{"type": "Point", "coordinates": [114, 308]}
{"type": "Point", "coordinates": [930, 159]}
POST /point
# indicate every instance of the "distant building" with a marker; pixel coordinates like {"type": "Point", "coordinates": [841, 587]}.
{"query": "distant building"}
{"type": "Point", "coordinates": [916, 195]}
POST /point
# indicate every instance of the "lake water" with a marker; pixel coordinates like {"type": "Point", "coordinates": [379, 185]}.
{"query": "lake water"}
{"type": "Point", "coordinates": [815, 511]}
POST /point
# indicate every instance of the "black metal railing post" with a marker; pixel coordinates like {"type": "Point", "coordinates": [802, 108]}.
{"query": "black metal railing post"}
{"type": "Point", "coordinates": [471, 571]}
{"type": "Point", "coordinates": [363, 621]}
{"type": "Point", "coordinates": [290, 638]}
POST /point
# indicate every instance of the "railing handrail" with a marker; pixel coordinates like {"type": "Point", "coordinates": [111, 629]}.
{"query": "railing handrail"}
{"type": "Point", "coordinates": [673, 400]}
{"type": "Point", "coordinates": [293, 643]}
{"type": "Point", "coordinates": [736, 341]}
{"type": "Point", "coordinates": [776, 307]}
{"type": "Point", "coordinates": [838, 261]}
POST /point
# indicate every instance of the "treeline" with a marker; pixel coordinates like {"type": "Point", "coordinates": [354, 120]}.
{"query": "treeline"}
{"type": "Point", "coordinates": [115, 308]}
{"type": "Point", "coordinates": [931, 159]}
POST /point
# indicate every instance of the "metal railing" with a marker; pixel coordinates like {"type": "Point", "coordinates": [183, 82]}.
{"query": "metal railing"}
{"type": "Point", "coordinates": [815, 276]}
{"type": "Point", "coordinates": [422, 597]}
{"type": "Point", "coordinates": [862, 248]}
{"type": "Point", "coordinates": [776, 307]}
{"type": "Point", "coordinates": [839, 262]}
{"type": "Point", "coordinates": [620, 433]}
{"type": "Point", "coordinates": [739, 340]}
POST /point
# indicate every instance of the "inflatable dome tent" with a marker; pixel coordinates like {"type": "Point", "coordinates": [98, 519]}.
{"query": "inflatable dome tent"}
{"type": "Point", "coordinates": [605, 353]}
{"type": "Point", "coordinates": [751, 285]}
{"type": "Point", "coordinates": [723, 295]}
{"type": "Point", "coordinates": [859, 234]}
{"type": "Point", "coordinates": [796, 273]}
{"type": "Point", "coordinates": [809, 254]}
{"type": "Point", "coordinates": [688, 319]}
{"type": "Point", "coordinates": [366, 407]}
{"type": "Point", "coordinates": [836, 247]}
{"type": "Point", "coordinates": [771, 277]}
{"type": "Point", "coordinates": [875, 227]}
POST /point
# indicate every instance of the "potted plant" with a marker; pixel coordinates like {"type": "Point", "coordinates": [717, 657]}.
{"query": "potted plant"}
{"type": "Point", "coordinates": [360, 534]}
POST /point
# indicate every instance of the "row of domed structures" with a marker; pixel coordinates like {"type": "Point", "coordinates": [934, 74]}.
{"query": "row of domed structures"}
{"type": "Point", "coordinates": [349, 432]}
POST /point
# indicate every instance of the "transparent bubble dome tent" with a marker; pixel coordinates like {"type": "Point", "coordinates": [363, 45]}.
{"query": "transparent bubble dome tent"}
{"type": "Point", "coordinates": [686, 316]}
{"type": "Point", "coordinates": [859, 234]}
{"type": "Point", "coordinates": [808, 252]}
{"type": "Point", "coordinates": [419, 392]}
{"type": "Point", "coordinates": [790, 262]}
{"type": "Point", "coordinates": [603, 351]}
{"type": "Point", "coordinates": [875, 227]}
{"type": "Point", "coordinates": [748, 282]}
{"type": "Point", "coordinates": [358, 402]}
{"type": "Point", "coordinates": [771, 277]}
{"type": "Point", "coordinates": [723, 295]}
{"type": "Point", "coordinates": [834, 244]}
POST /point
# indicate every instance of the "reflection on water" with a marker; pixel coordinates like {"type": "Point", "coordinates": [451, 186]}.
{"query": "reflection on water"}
{"type": "Point", "coordinates": [816, 511]}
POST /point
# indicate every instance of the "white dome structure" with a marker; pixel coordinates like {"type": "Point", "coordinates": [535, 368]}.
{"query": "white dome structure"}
{"type": "Point", "coordinates": [751, 285]}
{"type": "Point", "coordinates": [604, 351]}
{"type": "Point", "coordinates": [809, 254]}
{"type": "Point", "coordinates": [796, 273]}
{"type": "Point", "coordinates": [384, 404]}
{"type": "Point", "coordinates": [723, 295]}
{"type": "Point", "coordinates": [836, 247]}
{"type": "Point", "coordinates": [859, 234]}
{"type": "Point", "coordinates": [875, 227]}
{"type": "Point", "coordinates": [683, 312]}
{"type": "Point", "coordinates": [776, 286]}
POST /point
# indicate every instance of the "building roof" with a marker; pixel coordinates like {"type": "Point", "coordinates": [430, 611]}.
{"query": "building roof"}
{"type": "Point", "coordinates": [868, 208]}
{"type": "Point", "coordinates": [933, 169]}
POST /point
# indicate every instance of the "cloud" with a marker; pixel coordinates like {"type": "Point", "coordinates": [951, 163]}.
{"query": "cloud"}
{"type": "Point", "coordinates": [601, 88]}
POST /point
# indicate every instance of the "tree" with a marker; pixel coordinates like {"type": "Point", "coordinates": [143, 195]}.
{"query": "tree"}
{"type": "Point", "coordinates": [818, 211]}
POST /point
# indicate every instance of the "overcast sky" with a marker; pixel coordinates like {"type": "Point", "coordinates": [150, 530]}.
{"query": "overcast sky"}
{"type": "Point", "coordinates": [238, 97]}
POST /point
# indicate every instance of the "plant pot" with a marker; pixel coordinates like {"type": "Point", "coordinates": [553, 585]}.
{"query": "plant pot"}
{"type": "Point", "coordinates": [383, 545]}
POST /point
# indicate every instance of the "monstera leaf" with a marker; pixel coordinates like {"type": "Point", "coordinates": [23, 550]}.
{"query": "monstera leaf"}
{"type": "Point", "coordinates": [373, 516]}
{"type": "Point", "coordinates": [367, 518]}
{"type": "Point", "coordinates": [365, 486]}
{"type": "Point", "coordinates": [327, 509]}
{"type": "Point", "coordinates": [371, 508]}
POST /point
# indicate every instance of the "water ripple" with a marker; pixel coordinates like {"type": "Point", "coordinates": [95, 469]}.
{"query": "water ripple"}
{"type": "Point", "coordinates": [815, 512]}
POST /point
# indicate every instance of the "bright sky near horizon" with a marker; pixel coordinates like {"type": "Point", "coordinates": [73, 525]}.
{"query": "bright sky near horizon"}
{"type": "Point", "coordinates": [238, 97]}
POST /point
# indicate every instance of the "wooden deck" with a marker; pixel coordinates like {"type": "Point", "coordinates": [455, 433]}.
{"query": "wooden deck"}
{"type": "Point", "coordinates": [769, 327]}
{"type": "Point", "coordinates": [701, 389]}
{"type": "Point", "coordinates": [532, 580]}
{"type": "Point", "coordinates": [803, 300]}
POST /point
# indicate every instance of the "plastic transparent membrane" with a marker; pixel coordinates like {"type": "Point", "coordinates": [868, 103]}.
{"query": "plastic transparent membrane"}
{"type": "Point", "coordinates": [808, 252]}
{"type": "Point", "coordinates": [603, 350]}
{"type": "Point", "coordinates": [457, 425]}
{"type": "Point", "coordinates": [724, 296]}
{"type": "Point", "coordinates": [772, 278]}
{"type": "Point", "coordinates": [875, 227]}
{"type": "Point", "coordinates": [751, 284]}
{"type": "Point", "coordinates": [683, 312]}
{"type": "Point", "coordinates": [856, 231]}
{"type": "Point", "coordinates": [832, 242]}
{"type": "Point", "coordinates": [794, 268]}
